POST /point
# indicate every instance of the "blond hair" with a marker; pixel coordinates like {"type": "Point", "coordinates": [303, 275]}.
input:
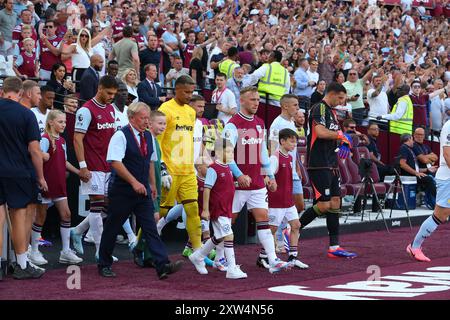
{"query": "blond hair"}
{"type": "Point", "coordinates": [52, 115]}
{"type": "Point", "coordinates": [24, 41]}
{"type": "Point", "coordinates": [198, 53]}
{"type": "Point", "coordinates": [125, 74]}
{"type": "Point", "coordinates": [27, 27]}
{"type": "Point", "coordinates": [89, 47]}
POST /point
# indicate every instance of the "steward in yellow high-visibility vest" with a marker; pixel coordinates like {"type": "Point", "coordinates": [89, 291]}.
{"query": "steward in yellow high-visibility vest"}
{"type": "Point", "coordinates": [274, 80]}
{"type": "Point", "coordinates": [401, 117]}
{"type": "Point", "coordinates": [229, 64]}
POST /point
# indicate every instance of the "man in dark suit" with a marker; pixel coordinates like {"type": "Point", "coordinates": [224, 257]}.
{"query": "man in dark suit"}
{"type": "Point", "coordinates": [89, 80]}
{"type": "Point", "coordinates": [132, 188]}
{"type": "Point", "coordinates": [148, 91]}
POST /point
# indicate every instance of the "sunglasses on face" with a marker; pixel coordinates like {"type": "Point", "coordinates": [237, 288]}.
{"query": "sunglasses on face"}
{"type": "Point", "coordinates": [84, 36]}
{"type": "Point", "coordinates": [49, 27]}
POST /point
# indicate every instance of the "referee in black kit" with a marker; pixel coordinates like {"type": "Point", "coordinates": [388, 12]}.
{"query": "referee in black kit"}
{"type": "Point", "coordinates": [131, 155]}
{"type": "Point", "coordinates": [21, 173]}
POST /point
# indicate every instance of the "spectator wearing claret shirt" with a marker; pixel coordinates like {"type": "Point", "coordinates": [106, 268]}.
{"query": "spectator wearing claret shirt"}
{"type": "Point", "coordinates": [26, 17]}
{"type": "Point", "coordinates": [49, 50]}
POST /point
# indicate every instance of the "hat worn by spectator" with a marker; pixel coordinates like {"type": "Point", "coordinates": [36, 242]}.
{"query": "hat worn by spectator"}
{"type": "Point", "coordinates": [254, 12]}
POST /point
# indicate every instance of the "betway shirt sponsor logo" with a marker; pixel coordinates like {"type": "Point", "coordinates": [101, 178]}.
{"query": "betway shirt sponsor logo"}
{"type": "Point", "coordinates": [184, 128]}
{"type": "Point", "coordinates": [407, 285]}
{"type": "Point", "coordinates": [107, 125]}
{"type": "Point", "coordinates": [245, 141]}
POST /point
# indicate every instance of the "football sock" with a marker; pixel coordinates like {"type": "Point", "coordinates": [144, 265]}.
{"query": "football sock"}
{"type": "Point", "coordinates": [426, 229]}
{"type": "Point", "coordinates": [193, 225]}
{"type": "Point", "coordinates": [174, 213]}
{"type": "Point", "coordinates": [82, 226]}
{"type": "Point", "coordinates": [22, 260]}
{"type": "Point", "coordinates": [64, 228]}
{"type": "Point", "coordinates": [220, 251]}
{"type": "Point", "coordinates": [229, 253]}
{"type": "Point", "coordinates": [333, 226]}
{"type": "Point", "coordinates": [266, 239]}
{"type": "Point", "coordinates": [35, 236]}
{"type": "Point", "coordinates": [309, 215]}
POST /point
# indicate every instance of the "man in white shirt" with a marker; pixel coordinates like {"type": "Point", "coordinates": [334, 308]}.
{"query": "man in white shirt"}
{"type": "Point", "coordinates": [176, 71]}
{"type": "Point", "coordinates": [198, 104]}
{"type": "Point", "coordinates": [45, 105]}
{"type": "Point", "coordinates": [289, 108]}
{"type": "Point", "coordinates": [120, 108]}
{"type": "Point", "coordinates": [133, 189]}
{"type": "Point", "coordinates": [377, 98]}
{"type": "Point", "coordinates": [225, 99]}
{"type": "Point", "coordinates": [406, 5]}
{"type": "Point", "coordinates": [442, 209]}
{"type": "Point", "coordinates": [401, 105]}
{"type": "Point", "coordinates": [312, 73]}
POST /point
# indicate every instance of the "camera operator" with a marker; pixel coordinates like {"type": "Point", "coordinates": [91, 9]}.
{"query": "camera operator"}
{"type": "Point", "coordinates": [350, 128]}
{"type": "Point", "coordinates": [383, 170]}
{"type": "Point", "coordinates": [410, 167]}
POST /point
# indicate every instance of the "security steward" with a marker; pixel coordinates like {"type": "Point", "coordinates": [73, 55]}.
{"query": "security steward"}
{"type": "Point", "coordinates": [228, 65]}
{"type": "Point", "coordinates": [273, 82]}
{"type": "Point", "coordinates": [132, 157]}
{"type": "Point", "coordinates": [401, 117]}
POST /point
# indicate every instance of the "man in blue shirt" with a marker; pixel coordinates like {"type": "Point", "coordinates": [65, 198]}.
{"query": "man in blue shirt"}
{"type": "Point", "coordinates": [303, 86]}
{"type": "Point", "coordinates": [21, 168]}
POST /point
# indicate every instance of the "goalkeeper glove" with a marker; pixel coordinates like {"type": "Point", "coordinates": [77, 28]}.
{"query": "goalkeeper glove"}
{"type": "Point", "coordinates": [166, 178]}
{"type": "Point", "coordinates": [345, 146]}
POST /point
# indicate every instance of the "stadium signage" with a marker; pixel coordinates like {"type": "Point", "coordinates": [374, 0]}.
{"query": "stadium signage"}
{"type": "Point", "coordinates": [406, 285]}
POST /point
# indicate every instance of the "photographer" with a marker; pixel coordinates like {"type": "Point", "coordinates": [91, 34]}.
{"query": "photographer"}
{"type": "Point", "coordinates": [349, 126]}
{"type": "Point", "coordinates": [383, 170]}
{"type": "Point", "coordinates": [410, 167]}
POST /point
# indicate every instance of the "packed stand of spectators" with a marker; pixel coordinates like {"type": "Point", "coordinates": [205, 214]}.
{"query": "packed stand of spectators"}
{"type": "Point", "coordinates": [370, 48]}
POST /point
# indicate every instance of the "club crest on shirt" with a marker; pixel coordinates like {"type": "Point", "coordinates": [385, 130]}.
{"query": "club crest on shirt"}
{"type": "Point", "coordinates": [99, 117]}
{"type": "Point", "coordinates": [226, 228]}
{"type": "Point", "coordinates": [222, 174]}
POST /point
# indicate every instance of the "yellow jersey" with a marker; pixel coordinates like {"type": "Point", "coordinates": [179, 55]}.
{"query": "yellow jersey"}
{"type": "Point", "coordinates": [177, 141]}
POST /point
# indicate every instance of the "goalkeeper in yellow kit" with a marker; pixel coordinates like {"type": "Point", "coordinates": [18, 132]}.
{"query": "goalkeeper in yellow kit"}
{"type": "Point", "coordinates": [177, 147]}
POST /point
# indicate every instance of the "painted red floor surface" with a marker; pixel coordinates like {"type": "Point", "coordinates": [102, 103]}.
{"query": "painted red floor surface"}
{"type": "Point", "coordinates": [380, 254]}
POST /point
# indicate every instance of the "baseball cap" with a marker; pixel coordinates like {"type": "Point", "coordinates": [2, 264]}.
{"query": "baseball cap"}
{"type": "Point", "coordinates": [254, 12]}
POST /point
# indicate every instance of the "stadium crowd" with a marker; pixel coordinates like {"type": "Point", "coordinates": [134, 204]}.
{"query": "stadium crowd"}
{"type": "Point", "coordinates": [392, 61]}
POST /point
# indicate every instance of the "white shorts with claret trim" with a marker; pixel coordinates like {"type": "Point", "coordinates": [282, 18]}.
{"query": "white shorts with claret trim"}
{"type": "Point", "coordinates": [443, 193]}
{"type": "Point", "coordinates": [221, 227]}
{"type": "Point", "coordinates": [255, 199]}
{"type": "Point", "coordinates": [98, 185]}
{"type": "Point", "coordinates": [276, 215]}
